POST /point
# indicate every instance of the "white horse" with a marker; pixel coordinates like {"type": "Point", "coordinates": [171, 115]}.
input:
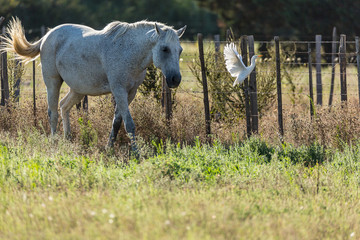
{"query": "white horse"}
{"type": "Point", "coordinates": [91, 62]}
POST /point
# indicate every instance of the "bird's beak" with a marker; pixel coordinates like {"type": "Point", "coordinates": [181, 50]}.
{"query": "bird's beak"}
{"type": "Point", "coordinates": [260, 55]}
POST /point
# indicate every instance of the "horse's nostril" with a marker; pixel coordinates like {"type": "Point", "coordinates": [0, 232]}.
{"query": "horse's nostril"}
{"type": "Point", "coordinates": [176, 79]}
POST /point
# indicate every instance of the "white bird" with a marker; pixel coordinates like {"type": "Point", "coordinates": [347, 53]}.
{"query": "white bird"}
{"type": "Point", "coordinates": [235, 65]}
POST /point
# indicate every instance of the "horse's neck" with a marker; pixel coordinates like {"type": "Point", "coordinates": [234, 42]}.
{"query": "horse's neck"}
{"type": "Point", "coordinates": [145, 46]}
{"type": "Point", "coordinates": [135, 46]}
{"type": "Point", "coordinates": [147, 58]}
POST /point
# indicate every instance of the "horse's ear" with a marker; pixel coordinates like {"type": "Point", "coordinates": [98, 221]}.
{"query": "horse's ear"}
{"type": "Point", "coordinates": [181, 31]}
{"type": "Point", "coordinates": [158, 29]}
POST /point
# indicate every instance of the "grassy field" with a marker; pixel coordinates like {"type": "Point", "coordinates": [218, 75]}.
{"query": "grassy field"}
{"type": "Point", "coordinates": [52, 189]}
{"type": "Point", "coordinates": [181, 187]}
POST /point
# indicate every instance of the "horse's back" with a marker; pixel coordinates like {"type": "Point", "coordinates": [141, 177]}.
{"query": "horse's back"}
{"type": "Point", "coordinates": [72, 51]}
{"type": "Point", "coordinates": [65, 34]}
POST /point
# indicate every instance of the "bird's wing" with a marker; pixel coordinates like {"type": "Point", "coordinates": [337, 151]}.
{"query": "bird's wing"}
{"type": "Point", "coordinates": [241, 77]}
{"type": "Point", "coordinates": [233, 60]}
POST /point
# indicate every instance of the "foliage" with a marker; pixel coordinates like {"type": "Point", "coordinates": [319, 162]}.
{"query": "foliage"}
{"type": "Point", "coordinates": [257, 17]}
{"type": "Point", "coordinates": [307, 155]}
{"type": "Point", "coordinates": [228, 102]}
{"type": "Point", "coordinates": [267, 18]}
{"type": "Point", "coordinates": [97, 14]}
{"type": "Point", "coordinates": [88, 136]}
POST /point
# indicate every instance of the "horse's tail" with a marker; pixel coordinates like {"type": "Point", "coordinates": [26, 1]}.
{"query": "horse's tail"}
{"type": "Point", "coordinates": [16, 42]}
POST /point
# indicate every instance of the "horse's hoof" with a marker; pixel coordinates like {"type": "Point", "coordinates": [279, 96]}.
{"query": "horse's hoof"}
{"type": "Point", "coordinates": [110, 149]}
{"type": "Point", "coordinates": [135, 153]}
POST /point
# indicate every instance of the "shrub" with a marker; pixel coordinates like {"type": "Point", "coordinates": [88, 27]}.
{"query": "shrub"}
{"type": "Point", "coordinates": [152, 84]}
{"type": "Point", "coordinates": [88, 136]}
{"type": "Point", "coordinates": [227, 101]}
{"type": "Point", "coordinates": [307, 155]}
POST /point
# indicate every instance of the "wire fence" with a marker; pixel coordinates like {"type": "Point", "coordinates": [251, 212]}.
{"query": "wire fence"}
{"type": "Point", "coordinates": [293, 65]}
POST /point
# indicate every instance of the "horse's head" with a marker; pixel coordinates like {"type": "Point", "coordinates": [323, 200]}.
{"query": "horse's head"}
{"type": "Point", "coordinates": [166, 53]}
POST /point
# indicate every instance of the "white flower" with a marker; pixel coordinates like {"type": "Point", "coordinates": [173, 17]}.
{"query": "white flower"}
{"type": "Point", "coordinates": [50, 198]}
{"type": "Point", "coordinates": [50, 218]}
{"type": "Point", "coordinates": [104, 211]}
{"type": "Point", "coordinates": [112, 215]}
{"type": "Point", "coordinates": [352, 234]}
{"type": "Point", "coordinates": [213, 217]}
{"type": "Point", "coordinates": [111, 221]}
{"type": "Point", "coordinates": [92, 213]}
{"type": "Point", "coordinates": [167, 222]}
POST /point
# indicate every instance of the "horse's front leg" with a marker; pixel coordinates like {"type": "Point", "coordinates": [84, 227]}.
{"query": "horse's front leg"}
{"type": "Point", "coordinates": [122, 112]}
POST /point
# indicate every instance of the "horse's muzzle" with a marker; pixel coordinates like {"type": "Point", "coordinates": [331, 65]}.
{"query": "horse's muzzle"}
{"type": "Point", "coordinates": [173, 80]}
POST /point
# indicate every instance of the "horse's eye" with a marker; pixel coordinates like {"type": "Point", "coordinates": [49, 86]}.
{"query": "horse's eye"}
{"type": "Point", "coordinates": [165, 49]}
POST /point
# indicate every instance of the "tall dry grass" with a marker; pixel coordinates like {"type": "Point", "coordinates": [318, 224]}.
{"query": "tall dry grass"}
{"type": "Point", "coordinates": [331, 128]}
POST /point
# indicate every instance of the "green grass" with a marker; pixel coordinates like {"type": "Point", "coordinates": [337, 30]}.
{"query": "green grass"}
{"type": "Point", "coordinates": [54, 189]}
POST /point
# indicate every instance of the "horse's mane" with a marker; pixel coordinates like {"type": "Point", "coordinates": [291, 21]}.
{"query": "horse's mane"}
{"type": "Point", "coordinates": [116, 29]}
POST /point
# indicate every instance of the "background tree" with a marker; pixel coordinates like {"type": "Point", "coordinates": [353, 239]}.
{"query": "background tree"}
{"type": "Point", "coordinates": [291, 19]}
{"type": "Point", "coordinates": [35, 13]}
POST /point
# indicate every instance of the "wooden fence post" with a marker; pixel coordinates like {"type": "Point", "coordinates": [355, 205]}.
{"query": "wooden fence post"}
{"type": "Point", "coordinates": [342, 57]}
{"type": "Point", "coordinates": [166, 99]}
{"type": "Point", "coordinates": [205, 87]}
{"type": "Point", "coordinates": [358, 62]}
{"type": "Point", "coordinates": [333, 52]}
{"type": "Point", "coordinates": [17, 80]}
{"type": "Point", "coordinates": [43, 30]}
{"type": "Point", "coordinates": [253, 91]}
{"type": "Point", "coordinates": [278, 84]}
{"type": "Point", "coordinates": [318, 70]}
{"type": "Point", "coordinates": [311, 94]}
{"type": "Point", "coordinates": [217, 46]}
{"type": "Point", "coordinates": [229, 36]}
{"type": "Point", "coordinates": [244, 46]}
{"type": "Point", "coordinates": [34, 92]}
{"type": "Point", "coordinates": [4, 77]}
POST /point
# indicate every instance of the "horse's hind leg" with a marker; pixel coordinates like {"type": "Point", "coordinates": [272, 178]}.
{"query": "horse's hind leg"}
{"type": "Point", "coordinates": [53, 86]}
{"type": "Point", "coordinates": [66, 104]}
{"type": "Point", "coordinates": [115, 128]}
